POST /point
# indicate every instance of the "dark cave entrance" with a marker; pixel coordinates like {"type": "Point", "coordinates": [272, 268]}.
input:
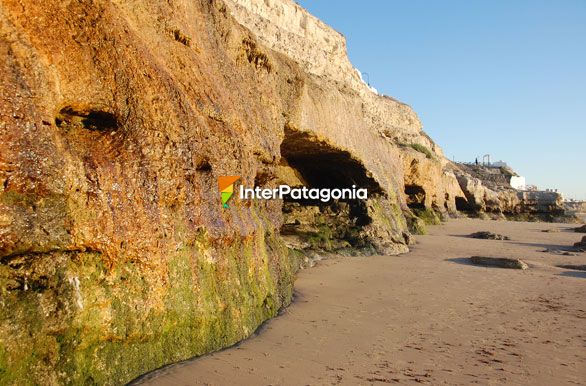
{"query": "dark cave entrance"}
{"type": "Point", "coordinates": [315, 225]}
{"type": "Point", "coordinates": [415, 196]}
{"type": "Point", "coordinates": [462, 204]}
{"type": "Point", "coordinates": [323, 165]}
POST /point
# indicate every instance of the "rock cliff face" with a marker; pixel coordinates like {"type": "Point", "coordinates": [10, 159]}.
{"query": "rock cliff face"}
{"type": "Point", "coordinates": [429, 181]}
{"type": "Point", "coordinates": [335, 103]}
{"type": "Point", "coordinates": [575, 206]}
{"type": "Point", "coordinates": [116, 119]}
{"type": "Point", "coordinates": [488, 189]}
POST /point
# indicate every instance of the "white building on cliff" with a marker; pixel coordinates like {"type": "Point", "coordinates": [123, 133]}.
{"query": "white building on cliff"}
{"type": "Point", "coordinates": [518, 182]}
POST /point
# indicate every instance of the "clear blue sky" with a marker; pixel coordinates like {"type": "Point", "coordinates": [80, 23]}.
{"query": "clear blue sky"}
{"type": "Point", "coordinates": [506, 78]}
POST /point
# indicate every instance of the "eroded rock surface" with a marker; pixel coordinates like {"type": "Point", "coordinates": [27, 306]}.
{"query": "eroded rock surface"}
{"type": "Point", "coordinates": [336, 104]}
{"type": "Point", "coordinates": [116, 119]}
{"type": "Point", "coordinates": [487, 190]}
{"type": "Point", "coordinates": [485, 235]}
{"type": "Point", "coordinates": [499, 262]}
{"type": "Point", "coordinates": [429, 181]}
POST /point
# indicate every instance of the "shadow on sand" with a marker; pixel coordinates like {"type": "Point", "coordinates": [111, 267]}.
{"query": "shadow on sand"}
{"type": "Point", "coordinates": [579, 274]}
{"type": "Point", "coordinates": [565, 248]}
{"type": "Point", "coordinates": [467, 236]}
{"type": "Point", "coordinates": [464, 261]}
{"type": "Point", "coordinates": [467, 261]}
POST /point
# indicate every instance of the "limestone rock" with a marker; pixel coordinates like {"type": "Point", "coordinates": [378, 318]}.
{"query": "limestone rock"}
{"type": "Point", "coordinates": [478, 196]}
{"type": "Point", "coordinates": [116, 120]}
{"type": "Point", "coordinates": [487, 189]}
{"type": "Point", "coordinates": [581, 243]}
{"type": "Point", "coordinates": [575, 206]}
{"type": "Point", "coordinates": [336, 106]}
{"type": "Point", "coordinates": [428, 184]}
{"type": "Point", "coordinates": [488, 236]}
{"type": "Point", "coordinates": [500, 262]}
{"type": "Point", "coordinates": [541, 202]}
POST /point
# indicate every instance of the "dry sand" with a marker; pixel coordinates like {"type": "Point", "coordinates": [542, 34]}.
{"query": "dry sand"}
{"type": "Point", "coordinates": [426, 317]}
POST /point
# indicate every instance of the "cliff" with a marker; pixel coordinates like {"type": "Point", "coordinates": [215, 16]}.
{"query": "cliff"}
{"type": "Point", "coordinates": [488, 190]}
{"type": "Point", "coordinates": [335, 103]}
{"type": "Point", "coordinates": [116, 121]}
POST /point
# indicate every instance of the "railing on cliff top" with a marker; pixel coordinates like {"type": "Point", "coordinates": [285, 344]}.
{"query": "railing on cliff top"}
{"type": "Point", "coordinates": [488, 165]}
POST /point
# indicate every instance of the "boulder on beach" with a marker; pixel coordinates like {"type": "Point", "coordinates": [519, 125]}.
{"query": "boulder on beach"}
{"type": "Point", "coordinates": [581, 229]}
{"type": "Point", "coordinates": [581, 244]}
{"type": "Point", "coordinates": [501, 262]}
{"type": "Point", "coordinates": [488, 236]}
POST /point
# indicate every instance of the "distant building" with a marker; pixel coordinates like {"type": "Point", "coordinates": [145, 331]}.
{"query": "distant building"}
{"type": "Point", "coordinates": [517, 182]}
{"type": "Point", "coordinates": [499, 164]}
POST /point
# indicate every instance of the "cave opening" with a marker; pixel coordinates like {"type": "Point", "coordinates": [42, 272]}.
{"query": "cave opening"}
{"type": "Point", "coordinates": [415, 196]}
{"type": "Point", "coordinates": [91, 119]}
{"type": "Point", "coordinates": [312, 224]}
{"type": "Point", "coordinates": [462, 204]}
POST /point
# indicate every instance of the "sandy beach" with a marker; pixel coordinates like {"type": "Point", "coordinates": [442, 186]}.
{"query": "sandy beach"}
{"type": "Point", "coordinates": [423, 317]}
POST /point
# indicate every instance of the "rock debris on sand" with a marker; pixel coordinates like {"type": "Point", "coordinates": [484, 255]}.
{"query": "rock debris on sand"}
{"type": "Point", "coordinates": [501, 262]}
{"type": "Point", "coordinates": [488, 236]}
{"type": "Point", "coordinates": [581, 244]}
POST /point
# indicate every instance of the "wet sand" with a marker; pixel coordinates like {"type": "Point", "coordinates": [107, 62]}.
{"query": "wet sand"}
{"type": "Point", "coordinates": [423, 317]}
